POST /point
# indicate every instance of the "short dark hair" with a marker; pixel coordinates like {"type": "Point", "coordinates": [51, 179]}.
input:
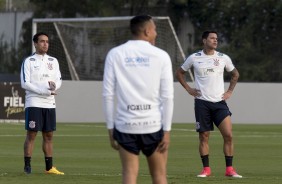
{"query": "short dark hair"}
{"type": "Point", "coordinates": [206, 33]}
{"type": "Point", "coordinates": [137, 23]}
{"type": "Point", "coordinates": [35, 37]}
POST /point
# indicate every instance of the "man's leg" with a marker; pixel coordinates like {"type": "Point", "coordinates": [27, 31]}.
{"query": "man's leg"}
{"type": "Point", "coordinates": [204, 143]}
{"type": "Point", "coordinates": [47, 147]}
{"type": "Point", "coordinates": [130, 166]}
{"type": "Point", "coordinates": [225, 129]}
{"type": "Point", "coordinates": [28, 148]}
{"type": "Point", "coordinates": [157, 164]}
{"type": "Point", "coordinates": [204, 153]}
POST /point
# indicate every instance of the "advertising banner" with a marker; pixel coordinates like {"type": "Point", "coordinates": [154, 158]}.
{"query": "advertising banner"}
{"type": "Point", "coordinates": [11, 102]}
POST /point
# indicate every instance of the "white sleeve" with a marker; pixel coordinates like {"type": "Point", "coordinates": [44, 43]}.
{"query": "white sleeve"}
{"type": "Point", "coordinates": [58, 79]}
{"type": "Point", "coordinates": [187, 63]}
{"type": "Point", "coordinates": [167, 95]}
{"type": "Point", "coordinates": [38, 88]}
{"type": "Point", "coordinates": [229, 65]}
{"type": "Point", "coordinates": [109, 92]}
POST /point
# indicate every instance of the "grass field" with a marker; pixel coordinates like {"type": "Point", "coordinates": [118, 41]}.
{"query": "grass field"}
{"type": "Point", "coordinates": [83, 152]}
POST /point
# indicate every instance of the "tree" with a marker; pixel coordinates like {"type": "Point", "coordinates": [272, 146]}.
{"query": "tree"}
{"type": "Point", "coordinates": [249, 30]}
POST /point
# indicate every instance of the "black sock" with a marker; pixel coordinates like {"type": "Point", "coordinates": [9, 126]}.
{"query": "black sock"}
{"type": "Point", "coordinates": [228, 160]}
{"type": "Point", "coordinates": [205, 160]}
{"type": "Point", "coordinates": [27, 161]}
{"type": "Point", "coordinates": [48, 163]}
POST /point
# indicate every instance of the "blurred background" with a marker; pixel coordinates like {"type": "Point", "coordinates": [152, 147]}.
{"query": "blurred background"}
{"type": "Point", "coordinates": [250, 31]}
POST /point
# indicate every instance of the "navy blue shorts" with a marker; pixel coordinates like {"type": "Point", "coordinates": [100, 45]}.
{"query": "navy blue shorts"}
{"type": "Point", "coordinates": [134, 143]}
{"type": "Point", "coordinates": [40, 119]}
{"type": "Point", "coordinates": [209, 113]}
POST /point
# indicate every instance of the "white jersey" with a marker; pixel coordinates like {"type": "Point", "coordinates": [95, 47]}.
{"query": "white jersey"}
{"type": "Point", "coordinates": [140, 75]}
{"type": "Point", "coordinates": [208, 73]}
{"type": "Point", "coordinates": [36, 71]}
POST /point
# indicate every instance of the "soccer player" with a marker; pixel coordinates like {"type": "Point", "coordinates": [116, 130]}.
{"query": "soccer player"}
{"type": "Point", "coordinates": [140, 76]}
{"type": "Point", "coordinates": [40, 77]}
{"type": "Point", "coordinates": [210, 98]}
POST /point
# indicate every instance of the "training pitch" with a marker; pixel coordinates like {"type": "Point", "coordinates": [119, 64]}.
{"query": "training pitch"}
{"type": "Point", "coordinates": [83, 152]}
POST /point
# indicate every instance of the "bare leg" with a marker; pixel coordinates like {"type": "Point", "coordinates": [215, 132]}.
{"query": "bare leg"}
{"type": "Point", "coordinates": [225, 129]}
{"type": "Point", "coordinates": [130, 166]}
{"type": "Point", "coordinates": [157, 164]}
{"type": "Point", "coordinates": [47, 144]}
{"type": "Point", "coordinates": [29, 143]}
{"type": "Point", "coordinates": [204, 143]}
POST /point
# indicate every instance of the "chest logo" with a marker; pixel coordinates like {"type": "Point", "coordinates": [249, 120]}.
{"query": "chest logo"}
{"type": "Point", "coordinates": [50, 66]}
{"type": "Point", "coordinates": [216, 62]}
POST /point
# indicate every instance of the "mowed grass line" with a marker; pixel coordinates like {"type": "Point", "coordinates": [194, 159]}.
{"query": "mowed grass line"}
{"type": "Point", "coordinates": [83, 152]}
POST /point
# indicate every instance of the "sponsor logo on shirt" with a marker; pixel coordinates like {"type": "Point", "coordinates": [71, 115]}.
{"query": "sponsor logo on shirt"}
{"type": "Point", "coordinates": [141, 107]}
{"type": "Point", "coordinates": [31, 59]}
{"type": "Point", "coordinates": [50, 59]}
{"type": "Point", "coordinates": [140, 123]}
{"type": "Point", "coordinates": [137, 61]}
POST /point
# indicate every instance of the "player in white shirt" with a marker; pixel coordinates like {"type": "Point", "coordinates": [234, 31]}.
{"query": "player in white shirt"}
{"type": "Point", "coordinates": [40, 77]}
{"type": "Point", "coordinates": [140, 76]}
{"type": "Point", "coordinates": [210, 96]}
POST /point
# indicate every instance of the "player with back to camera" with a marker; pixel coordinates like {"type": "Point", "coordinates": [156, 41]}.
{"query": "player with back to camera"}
{"type": "Point", "coordinates": [140, 76]}
{"type": "Point", "coordinates": [40, 77]}
{"type": "Point", "coordinates": [210, 98]}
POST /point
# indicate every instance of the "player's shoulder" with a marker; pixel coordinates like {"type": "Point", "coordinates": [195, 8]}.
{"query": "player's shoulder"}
{"type": "Point", "coordinates": [198, 53]}
{"type": "Point", "coordinates": [195, 55]}
{"type": "Point", "coordinates": [30, 58]}
{"type": "Point", "coordinates": [51, 58]}
{"type": "Point", "coordinates": [221, 54]}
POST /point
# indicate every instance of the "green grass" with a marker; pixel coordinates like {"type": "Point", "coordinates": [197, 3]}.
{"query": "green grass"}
{"type": "Point", "coordinates": [83, 152]}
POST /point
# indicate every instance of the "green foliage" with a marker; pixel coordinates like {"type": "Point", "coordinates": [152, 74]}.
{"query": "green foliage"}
{"type": "Point", "coordinates": [249, 30]}
{"type": "Point", "coordinates": [8, 57]}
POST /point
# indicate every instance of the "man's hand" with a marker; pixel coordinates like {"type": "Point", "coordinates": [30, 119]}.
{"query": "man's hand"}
{"type": "Point", "coordinates": [164, 144]}
{"type": "Point", "coordinates": [52, 85]}
{"type": "Point", "coordinates": [114, 144]}
{"type": "Point", "coordinates": [226, 95]}
{"type": "Point", "coordinates": [194, 92]}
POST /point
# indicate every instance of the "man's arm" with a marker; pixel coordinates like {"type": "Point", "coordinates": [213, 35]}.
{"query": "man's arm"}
{"type": "Point", "coordinates": [234, 78]}
{"type": "Point", "coordinates": [180, 75]}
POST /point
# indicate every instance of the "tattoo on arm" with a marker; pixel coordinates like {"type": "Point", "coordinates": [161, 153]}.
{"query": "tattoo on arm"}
{"type": "Point", "coordinates": [234, 79]}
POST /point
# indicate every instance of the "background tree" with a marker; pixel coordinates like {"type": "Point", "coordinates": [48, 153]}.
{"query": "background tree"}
{"type": "Point", "coordinates": [250, 31]}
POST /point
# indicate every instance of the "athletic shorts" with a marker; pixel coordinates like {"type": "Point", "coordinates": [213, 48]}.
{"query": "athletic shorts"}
{"type": "Point", "coordinates": [40, 119]}
{"type": "Point", "coordinates": [209, 113]}
{"type": "Point", "coordinates": [134, 143]}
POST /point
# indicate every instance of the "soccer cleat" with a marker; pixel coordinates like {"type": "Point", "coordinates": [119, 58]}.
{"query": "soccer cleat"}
{"type": "Point", "coordinates": [205, 172]}
{"type": "Point", "coordinates": [54, 170]}
{"type": "Point", "coordinates": [230, 172]}
{"type": "Point", "coordinates": [27, 169]}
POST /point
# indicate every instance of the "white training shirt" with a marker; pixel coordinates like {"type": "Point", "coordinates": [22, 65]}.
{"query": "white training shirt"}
{"type": "Point", "coordinates": [140, 76]}
{"type": "Point", "coordinates": [36, 71]}
{"type": "Point", "coordinates": [208, 73]}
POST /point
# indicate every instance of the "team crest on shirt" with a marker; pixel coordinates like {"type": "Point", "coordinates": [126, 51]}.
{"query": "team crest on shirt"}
{"type": "Point", "coordinates": [50, 66]}
{"type": "Point", "coordinates": [216, 62]}
{"type": "Point", "coordinates": [31, 124]}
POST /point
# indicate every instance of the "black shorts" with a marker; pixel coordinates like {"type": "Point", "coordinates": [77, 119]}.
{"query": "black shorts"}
{"type": "Point", "coordinates": [134, 143]}
{"type": "Point", "coordinates": [207, 113]}
{"type": "Point", "coordinates": [40, 119]}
